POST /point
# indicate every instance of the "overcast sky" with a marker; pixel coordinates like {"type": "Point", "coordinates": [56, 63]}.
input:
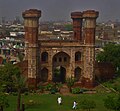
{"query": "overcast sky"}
{"type": "Point", "coordinates": [61, 9]}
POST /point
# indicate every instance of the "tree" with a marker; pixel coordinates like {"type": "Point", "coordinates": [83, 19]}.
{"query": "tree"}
{"type": "Point", "coordinates": [110, 53]}
{"type": "Point", "coordinates": [69, 27]}
{"type": "Point", "coordinates": [3, 101]}
{"type": "Point", "coordinates": [70, 82]}
{"type": "Point", "coordinates": [19, 82]}
{"type": "Point", "coordinates": [11, 77]}
{"type": "Point", "coordinates": [3, 98]}
{"type": "Point", "coordinates": [87, 104]}
{"type": "Point", "coordinates": [6, 73]}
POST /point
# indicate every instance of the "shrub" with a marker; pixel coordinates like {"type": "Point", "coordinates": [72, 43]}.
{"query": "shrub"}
{"type": "Point", "coordinates": [70, 82]}
{"type": "Point", "coordinates": [41, 88]}
{"type": "Point", "coordinates": [14, 93]}
{"type": "Point", "coordinates": [58, 86]}
{"type": "Point", "coordinates": [31, 88]}
{"type": "Point", "coordinates": [26, 93]}
{"type": "Point", "coordinates": [53, 91]}
{"type": "Point", "coordinates": [76, 90]}
{"type": "Point", "coordinates": [53, 88]}
{"type": "Point", "coordinates": [48, 87]}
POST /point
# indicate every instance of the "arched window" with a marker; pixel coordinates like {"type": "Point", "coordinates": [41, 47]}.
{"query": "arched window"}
{"type": "Point", "coordinates": [65, 59]}
{"type": "Point", "coordinates": [55, 59]}
{"type": "Point", "coordinates": [60, 59]}
{"type": "Point", "coordinates": [77, 73]}
{"type": "Point", "coordinates": [44, 57]}
{"type": "Point", "coordinates": [78, 56]}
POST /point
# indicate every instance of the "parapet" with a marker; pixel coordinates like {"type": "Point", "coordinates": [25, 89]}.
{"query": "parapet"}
{"type": "Point", "coordinates": [32, 13]}
{"type": "Point", "coordinates": [90, 14]}
{"type": "Point", "coordinates": [76, 15]}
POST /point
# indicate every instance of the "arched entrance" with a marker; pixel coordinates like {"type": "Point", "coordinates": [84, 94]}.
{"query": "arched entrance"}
{"type": "Point", "coordinates": [77, 73]}
{"type": "Point", "coordinates": [59, 74]}
{"type": "Point", "coordinates": [61, 60]}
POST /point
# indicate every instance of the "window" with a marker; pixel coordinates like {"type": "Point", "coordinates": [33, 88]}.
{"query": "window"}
{"type": "Point", "coordinates": [55, 59]}
{"type": "Point", "coordinates": [44, 57]}
{"type": "Point", "coordinates": [60, 59]}
{"type": "Point", "coordinates": [65, 59]}
{"type": "Point", "coordinates": [77, 56]}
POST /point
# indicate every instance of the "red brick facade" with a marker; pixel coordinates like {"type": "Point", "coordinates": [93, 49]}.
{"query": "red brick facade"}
{"type": "Point", "coordinates": [73, 58]}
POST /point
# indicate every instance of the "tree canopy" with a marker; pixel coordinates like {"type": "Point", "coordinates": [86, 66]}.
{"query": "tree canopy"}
{"type": "Point", "coordinates": [6, 75]}
{"type": "Point", "coordinates": [11, 78]}
{"type": "Point", "coordinates": [110, 53]}
{"type": "Point", "coordinates": [69, 27]}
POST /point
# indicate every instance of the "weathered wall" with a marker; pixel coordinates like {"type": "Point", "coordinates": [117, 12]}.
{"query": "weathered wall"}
{"type": "Point", "coordinates": [104, 71]}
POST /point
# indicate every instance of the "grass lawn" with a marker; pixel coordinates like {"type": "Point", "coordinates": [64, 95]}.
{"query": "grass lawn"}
{"type": "Point", "coordinates": [48, 102]}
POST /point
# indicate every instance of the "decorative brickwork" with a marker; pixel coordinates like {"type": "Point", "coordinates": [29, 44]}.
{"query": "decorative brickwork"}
{"type": "Point", "coordinates": [77, 25]}
{"type": "Point", "coordinates": [89, 50]}
{"type": "Point", "coordinates": [31, 24]}
{"type": "Point", "coordinates": [73, 58]}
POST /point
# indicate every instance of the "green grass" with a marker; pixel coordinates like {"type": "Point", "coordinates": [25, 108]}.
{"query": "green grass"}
{"type": "Point", "coordinates": [114, 84]}
{"type": "Point", "coordinates": [48, 102]}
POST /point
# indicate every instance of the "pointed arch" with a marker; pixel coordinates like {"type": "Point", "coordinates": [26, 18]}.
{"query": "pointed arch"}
{"type": "Point", "coordinates": [59, 74]}
{"type": "Point", "coordinates": [77, 73]}
{"type": "Point", "coordinates": [44, 57]}
{"type": "Point", "coordinates": [78, 56]}
{"type": "Point", "coordinates": [60, 61]}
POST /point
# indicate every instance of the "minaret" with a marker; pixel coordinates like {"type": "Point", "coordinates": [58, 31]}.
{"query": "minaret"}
{"type": "Point", "coordinates": [77, 25]}
{"type": "Point", "coordinates": [31, 24]}
{"type": "Point", "coordinates": [89, 17]}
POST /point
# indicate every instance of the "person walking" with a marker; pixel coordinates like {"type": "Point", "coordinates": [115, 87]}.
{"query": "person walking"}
{"type": "Point", "coordinates": [59, 100]}
{"type": "Point", "coordinates": [74, 105]}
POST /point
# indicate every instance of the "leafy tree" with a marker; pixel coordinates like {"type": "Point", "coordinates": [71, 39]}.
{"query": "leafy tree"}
{"type": "Point", "coordinates": [6, 73]}
{"type": "Point", "coordinates": [19, 82]}
{"type": "Point", "coordinates": [87, 104]}
{"type": "Point", "coordinates": [3, 98]}
{"type": "Point", "coordinates": [110, 53]}
{"type": "Point", "coordinates": [3, 101]}
{"type": "Point", "coordinates": [69, 27]}
{"type": "Point", "coordinates": [11, 77]}
{"type": "Point", "coordinates": [70, 82]}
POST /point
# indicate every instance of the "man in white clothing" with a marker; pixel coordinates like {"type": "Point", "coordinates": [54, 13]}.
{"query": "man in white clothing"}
{"type": "Point", "coordinates": [59, 100]}
{"type": "Point", "coordinates": [74, 105]}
